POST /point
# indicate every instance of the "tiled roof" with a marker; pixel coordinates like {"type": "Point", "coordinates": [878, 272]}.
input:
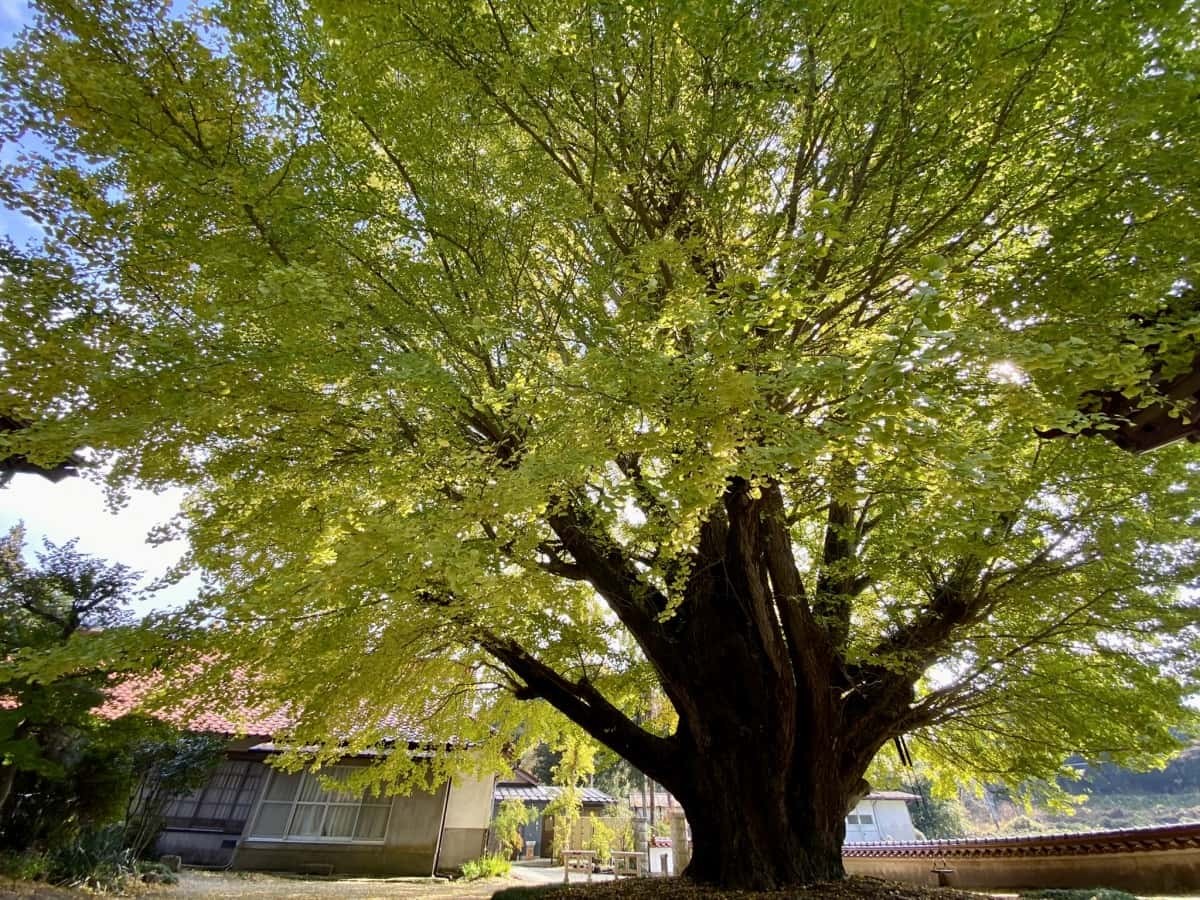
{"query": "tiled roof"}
{"type": "Point", "coordinates": [661, 798]}
{"type": "Point", "coordinates": [263, 722]}
{"type": "Point", "coordinates": [543, 793]}
{"type": "Point", "coordinates": [891, 795]}
{"type": "Point", "coordinates": [1165, 837]}
{"type": "Point", "coordinates": [126, 696]}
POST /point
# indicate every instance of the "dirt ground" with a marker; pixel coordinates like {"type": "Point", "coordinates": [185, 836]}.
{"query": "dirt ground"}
{"type": "Point", "coordinates": [28, 890]}
{"type": "Point", "coordinates": [678, 889]}
{"type": "Point", "coordinates": [198, 885]}
{"type": "Point", "coordinates": [237, 885]}
{"type": "Point", "coordinates": [194, 885]}
{"type": "Point", "coordinates": [229, 885]}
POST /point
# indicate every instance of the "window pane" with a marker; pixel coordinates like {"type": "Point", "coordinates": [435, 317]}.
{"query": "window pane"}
{"type": "Point", "coordinates": [220, 791]}
{"type": "Point", "coordinates": [283, 786]}
{"type": "Point", "coordinates": [866, 820]}
{"type": "Point", "coordinates": [307, 820]}
{"type": "Point", "coordinates": [340, 774]}
{"type": "Point", "coordinates": [182, 807]}
{"type": "Point", "coordinates": [252, 783]}
{"type": "Point", "coordinates": [310, 789]}
{"type": "Point", "coordinates": [217, 803]}
{"type": "Point", "coordinates": [372, 823]}
{"type": "Point", "coordinates": [241, 810]}
{"type": "Point", "coordinates": [272, 819]}
{"type": "Point", "coordinates": [244, 802]}
{"type": "Point", "coordinates": [339, 821]}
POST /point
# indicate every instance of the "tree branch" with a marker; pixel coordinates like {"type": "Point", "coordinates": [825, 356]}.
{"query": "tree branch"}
{"type": "Point", "coordinates": [584, 705]}
{"type": "Point", "coordinates": [807, 645]}
{"type": "Point", "coordinates": [954, 601]}
{"type": "Point", "coordinates": [636, 602]}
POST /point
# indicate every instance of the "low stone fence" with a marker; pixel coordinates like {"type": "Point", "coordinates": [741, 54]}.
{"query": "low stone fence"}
{"type": "Point", "coordinates": [1140, 860]}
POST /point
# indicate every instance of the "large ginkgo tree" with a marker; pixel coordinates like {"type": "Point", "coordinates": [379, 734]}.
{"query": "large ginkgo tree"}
{"type": "Point", "coordinates": [594, 352]}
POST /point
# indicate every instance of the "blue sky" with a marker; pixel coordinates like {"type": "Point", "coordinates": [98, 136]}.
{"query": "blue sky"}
{"type": "Point", "coordinates": [76, 508]}
{"type": "Point", "coordinates": [13, 14]}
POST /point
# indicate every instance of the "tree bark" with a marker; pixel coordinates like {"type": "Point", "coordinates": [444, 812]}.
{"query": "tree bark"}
{"type": "Point", "coordinates": [769, 765]}
{"type": "Point", "coordinates": [760, 823]}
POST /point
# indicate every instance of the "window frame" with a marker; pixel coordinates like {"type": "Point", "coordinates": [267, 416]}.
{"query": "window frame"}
{"type": "Point", "coordinates": [295, 804]}
{"type": "Point", "coordinates": [250, 776]}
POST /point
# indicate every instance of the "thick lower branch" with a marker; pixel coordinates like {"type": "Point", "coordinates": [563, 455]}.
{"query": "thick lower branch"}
{"type": "Point", "coordinates": [584, 705]}
{"type": "Point", "coordinates": [605, 565]}
{"type": "Point", "coordinates": [746, 575]}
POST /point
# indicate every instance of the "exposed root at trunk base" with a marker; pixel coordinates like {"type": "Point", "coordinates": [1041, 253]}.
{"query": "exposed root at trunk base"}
{"type": "Point", "coordinates": [857, 888]}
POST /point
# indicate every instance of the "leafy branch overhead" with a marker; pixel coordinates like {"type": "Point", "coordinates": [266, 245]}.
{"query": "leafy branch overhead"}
{"type": "Point", "coordinates": [570, 351]}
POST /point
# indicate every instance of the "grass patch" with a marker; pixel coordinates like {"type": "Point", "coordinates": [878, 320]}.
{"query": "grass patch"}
{"type": "Point", "coordinates": [490, 865]}
{"type": "Point", "coordinates": [27, 866]}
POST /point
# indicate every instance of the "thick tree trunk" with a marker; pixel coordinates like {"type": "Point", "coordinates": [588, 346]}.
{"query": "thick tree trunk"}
{"type": "Point", "coordinates": [761, 824]}
{"type": "Point", "coordinates": [767, 776]}
{"type": "Point", "coordinates": [775, 729]}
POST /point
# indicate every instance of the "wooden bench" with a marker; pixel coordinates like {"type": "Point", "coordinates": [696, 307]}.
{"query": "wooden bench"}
{"type": "Point", "coordinates": [578, 861]}
{"type": "Point", "coordinates": [628, 864]}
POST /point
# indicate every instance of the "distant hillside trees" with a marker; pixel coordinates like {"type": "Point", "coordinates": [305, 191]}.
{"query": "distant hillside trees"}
{"type": "Point", "coordinates": [1181, 775]}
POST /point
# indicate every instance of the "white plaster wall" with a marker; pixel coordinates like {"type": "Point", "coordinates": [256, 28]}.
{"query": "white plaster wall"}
{"type": "Point", "coordinates": [661, 862]}
{"type": "Point", "coordinates": [470, 803]}
{"type": "Point", "coordinates": [893, 820]}
{"type": "Point", "coordinates": [856, 830]}
{"type": "Point", "coordinates": [890, 821]}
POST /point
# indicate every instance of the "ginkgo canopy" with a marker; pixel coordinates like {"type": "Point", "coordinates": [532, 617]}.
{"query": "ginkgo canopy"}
{"type": "Point", "coordinates": [599, 352]}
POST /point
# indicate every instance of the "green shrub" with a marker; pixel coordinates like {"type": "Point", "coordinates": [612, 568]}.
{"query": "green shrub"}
{"type": "Point", "coordinates": [156, 873]}
{"type": "Point", "coordinates": [166, 765]}
{"type": "Point", "coordinates": [1077, 894]}
{"type": "Point", "coordinates": [525, 893]}
{"type": "Point", "coordinates": [935, 817]}
{"type": "Point", "coordinates": [27, 866]}
{"type": "Point", "coordinates": [510, 818]}
{"type": "Point", "coordinates": [602, 841]}
{"type": "Point", "coordinates": [97, 860]}
{"type": "Point", "coordinates": [490, 865]}
{"type": "Point", "coordinates": [1023, 825]}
